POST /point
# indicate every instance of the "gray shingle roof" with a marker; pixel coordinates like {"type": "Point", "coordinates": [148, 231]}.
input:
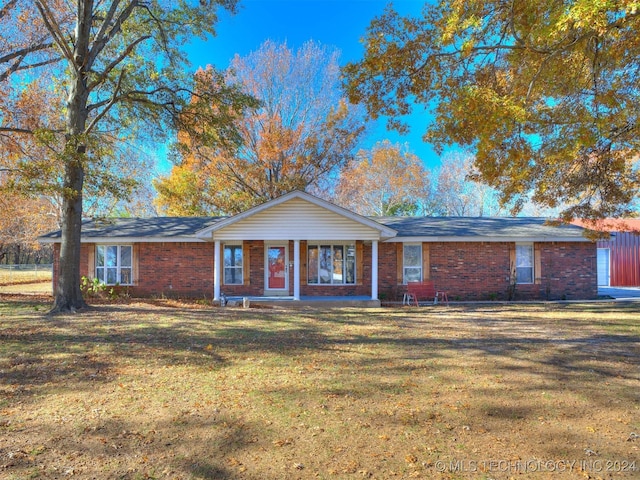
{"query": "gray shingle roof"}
{"type": "Point", "coordinates": [176, 228]}
{"type": "Point", "coordinates": [156, 227]}
{"type": "Point", "coordinates": [521, 227]}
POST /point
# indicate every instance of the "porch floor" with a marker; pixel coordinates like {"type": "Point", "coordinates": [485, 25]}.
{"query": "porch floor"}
{"type": "Point", "coordinates": [307, 301]}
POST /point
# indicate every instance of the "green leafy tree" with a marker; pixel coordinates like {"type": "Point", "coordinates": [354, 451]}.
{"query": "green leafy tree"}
{"type": "Point", "coordinates": [117, 72]}
{"type": "Point", "coordinates": [545, 93]}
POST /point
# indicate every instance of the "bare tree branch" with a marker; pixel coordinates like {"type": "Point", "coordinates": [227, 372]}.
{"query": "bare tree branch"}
{"type": "Point", "coordinates": [25, 51]}
{"type": "Point", "coordinates": [102, 42]}
{"type": "Point", "coordinates": [109, 104]}
{"type": "Point", "coordinates": [54, 28]}
{"type": "Point", "coordinates": [106, 22]}
{"type": "Point", "coordinates": [17, 67]}
{"type": "Point", "coordinates": [16, 130]}
{"type": "Point", "coordinates": [7, 8]}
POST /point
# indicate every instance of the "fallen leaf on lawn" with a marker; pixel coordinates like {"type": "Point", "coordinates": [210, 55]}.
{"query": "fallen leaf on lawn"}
{"type": "Point", "coordinates": [411, 458]}
{"type": "Point", "coordinates": [283, 442]}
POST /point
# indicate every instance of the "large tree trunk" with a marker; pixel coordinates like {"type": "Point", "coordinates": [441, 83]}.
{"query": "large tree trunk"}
{"type": "Point", "coordinates": [68, 296]}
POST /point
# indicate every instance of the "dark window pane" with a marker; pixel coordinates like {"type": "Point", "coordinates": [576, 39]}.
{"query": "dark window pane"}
{"type": "Point", "coordinates": [112, 256]}
{"type": "Point", "coordinates": [350, 270]}
{"type": "Point", "coordinates": [112, 276]}
{"type": "Point", "coordinates": [125, 256]}
{"type": "Point", "coordinates": [228, 258]}
{"type": "Point", "coordinates": [412, 255]}
{"type": "Point", "coordinates": [325, 264]}
{"type": "Point", "coordinates": [312, 265]}
{"type": "Point", "coordinates": [412, 274]}
{"type": "Point", "coordinates": [125, 276]}
{"type": "Point", "coordinates": [524, 275]}
{"type": "Point", "coordinates": [100, 256]}
{"type": "Point", "coordinates": [337, 264]}
{"type": "Point", "coordinates": [524, 255]}
{"type": "Point", "coordinates": [232, 256]}
{"type": "Point", "coordinates": [233, 276]}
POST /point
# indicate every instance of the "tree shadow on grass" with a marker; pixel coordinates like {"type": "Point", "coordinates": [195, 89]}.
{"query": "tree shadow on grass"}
{"type": "Point", "coordinates": [81, 349]}
{"type": "Point", "coordinates": [133, 448]}
{"type": "Point", "coordinates": [361, 362]}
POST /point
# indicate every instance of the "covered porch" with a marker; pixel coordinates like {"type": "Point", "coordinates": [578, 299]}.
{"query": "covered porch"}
{"type": "Point", "coordinates": [283, 271]}
{"type": "Point", "coordinates": [297, 248]}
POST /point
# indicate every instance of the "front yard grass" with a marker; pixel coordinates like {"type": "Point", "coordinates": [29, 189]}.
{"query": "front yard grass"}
{"type": "Point", "coordinates": [155, 390]}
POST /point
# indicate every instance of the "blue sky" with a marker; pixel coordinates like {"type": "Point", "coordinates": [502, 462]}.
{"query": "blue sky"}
{"type": "Point", "coordinates": [338, 23]}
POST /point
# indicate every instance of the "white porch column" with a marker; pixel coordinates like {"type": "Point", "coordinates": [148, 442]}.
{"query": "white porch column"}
{"type": "Point", "coordinates": [374, 270]}
{"type": "Point", "coordinates": [296, 269]}
{"type": "Point", "coordinates": [216, 271]}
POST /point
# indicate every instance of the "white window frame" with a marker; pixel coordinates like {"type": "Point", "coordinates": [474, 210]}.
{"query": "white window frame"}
{"type": "Point", "coordinates": [346, 260]}
{"type": "Point", "coordinates": [522, 264]}
{"type": "Point", "coordinates": [238, 268]}
{"type": "Point", "coordinates": [405, 266]}
{"type": "Point", "coordinates": [118, 267]}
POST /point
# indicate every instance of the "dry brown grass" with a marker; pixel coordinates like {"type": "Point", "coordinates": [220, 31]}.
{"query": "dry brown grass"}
{"type": "Point", "coordinates": [143, 390]}
{"type": "Point", "coordinates": [39, 288]}
{"type": "Point", "coordinates": [16, 277]}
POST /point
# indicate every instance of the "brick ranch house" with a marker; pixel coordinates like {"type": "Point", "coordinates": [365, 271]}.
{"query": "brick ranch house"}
{"type": "Point", "coordinates": [299, 246]}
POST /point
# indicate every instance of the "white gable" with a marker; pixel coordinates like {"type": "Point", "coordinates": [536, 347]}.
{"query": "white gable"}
{"type": "Point", "coordinates": [298, 218]}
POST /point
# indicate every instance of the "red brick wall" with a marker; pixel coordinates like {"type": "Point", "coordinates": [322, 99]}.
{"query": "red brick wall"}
{"type": "Point", "coordinates": [480, 271]}
{"type": "Point", "coordinates": [182, 269]}
{"type": "Point", "coordinates": [467, 271]}
{"type": "Point", "coordinates": [472, 270]}
{"type": "Point", "coordinates": [568, 273]}
{"type": "Point", "coordinates": [170, 269]}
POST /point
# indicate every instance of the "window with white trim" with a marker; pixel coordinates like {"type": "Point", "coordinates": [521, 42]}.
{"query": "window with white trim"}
{"type": "Point", "coordinates": [233, 265]}
{"type": "Point", "coordinates": [524, 263]}
{"type": "Point", "coordinates": [114, 264]}
{"type": "Point", "coordinates": [331, 264]}
{"type": "Point", "coordinates": [412, 262]}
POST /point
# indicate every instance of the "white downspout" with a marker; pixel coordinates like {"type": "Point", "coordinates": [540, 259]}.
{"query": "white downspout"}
{"type": "Point", "coordinates": [296, 269]}
{"type": "Point", "coordinates": [216, 271]}
{"type": "Point", "coordinates": [374, 270]}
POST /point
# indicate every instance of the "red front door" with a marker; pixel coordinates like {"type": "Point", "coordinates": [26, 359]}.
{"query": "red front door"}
{"type": "Point", "coordinates": [277, 268]}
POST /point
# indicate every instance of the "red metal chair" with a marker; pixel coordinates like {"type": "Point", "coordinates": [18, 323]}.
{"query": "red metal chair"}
{"type": "Point", "coordinates": [426, 290]}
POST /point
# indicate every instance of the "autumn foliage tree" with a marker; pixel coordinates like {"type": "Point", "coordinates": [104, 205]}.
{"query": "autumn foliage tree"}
{"type": "Point", "coordinates": [299, 138]}
{"type": "Point", "coordinates": [23, 219]}
{"type": "Point", "coordinates": [544, 93]}
{"type": "Point", "coordinates": [116, 71]}
{"type": "Point", "coordinates": [387, 180]}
